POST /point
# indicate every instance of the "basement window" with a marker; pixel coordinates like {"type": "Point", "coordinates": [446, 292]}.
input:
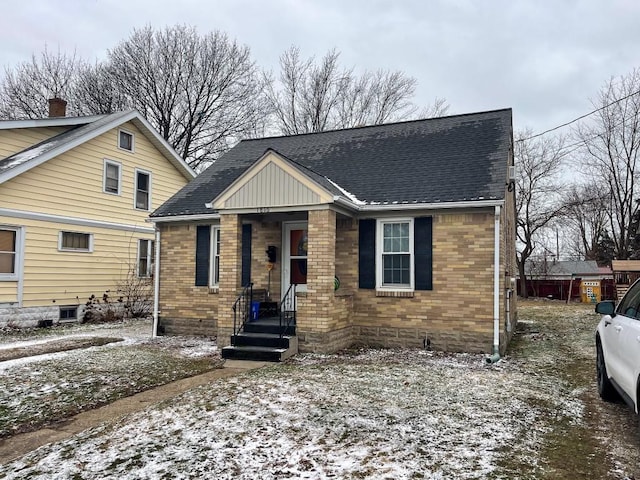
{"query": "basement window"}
{"type": "Point", "coordinates": [69, 313]}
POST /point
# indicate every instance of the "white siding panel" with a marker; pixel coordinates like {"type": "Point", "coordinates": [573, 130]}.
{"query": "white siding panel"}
{"type": "Point", "coordinates": [8, 292]}
{"type": "Point", "coordinates": [272, 187]}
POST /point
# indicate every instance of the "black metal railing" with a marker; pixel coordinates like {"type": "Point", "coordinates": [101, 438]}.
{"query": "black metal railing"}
{"type": "Point", "coordinates": [288, 309]}
{"type": "Point", "coordinates": [241, 311]}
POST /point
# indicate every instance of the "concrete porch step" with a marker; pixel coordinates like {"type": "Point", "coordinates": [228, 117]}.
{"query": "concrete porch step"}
{"type": "Point", "coordinates": [254, 339]}
{"type": "Point", "coordinates": [265, 354]}
{"type": "Point", "coordinates": [269, 325]}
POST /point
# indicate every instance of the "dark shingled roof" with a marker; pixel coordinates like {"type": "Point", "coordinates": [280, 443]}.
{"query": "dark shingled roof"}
{"type": "Point", "coordinates": [446, 159]}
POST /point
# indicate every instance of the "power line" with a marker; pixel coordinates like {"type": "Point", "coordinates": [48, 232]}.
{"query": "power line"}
{"type": "Point", "coordinates": [579, 118]}
{"type": "Point", "coordinates": [583, 141]}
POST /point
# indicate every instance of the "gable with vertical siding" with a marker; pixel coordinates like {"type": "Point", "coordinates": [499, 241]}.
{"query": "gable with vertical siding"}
{"type": "Point", "coordinates": [272, 187]}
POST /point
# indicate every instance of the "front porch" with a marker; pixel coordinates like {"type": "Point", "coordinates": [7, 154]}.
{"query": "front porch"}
{"type": "Point", "coordinates": [315, 250]}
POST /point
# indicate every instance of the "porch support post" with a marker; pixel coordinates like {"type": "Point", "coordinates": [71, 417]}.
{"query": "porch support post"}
{"type": "Point", "coordinates": [317, 319]}
{"type": "Point", "coordinates": [230, 274]}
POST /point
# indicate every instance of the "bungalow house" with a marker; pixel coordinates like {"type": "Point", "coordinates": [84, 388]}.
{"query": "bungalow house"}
{"type": "Point", "coordinates": [390, 235]}
{"type": "Point", "coordinates": [75, 194]}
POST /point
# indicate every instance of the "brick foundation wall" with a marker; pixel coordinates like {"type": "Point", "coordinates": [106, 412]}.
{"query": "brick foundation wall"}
{"type": "Point", "coordinates": [325, 342]}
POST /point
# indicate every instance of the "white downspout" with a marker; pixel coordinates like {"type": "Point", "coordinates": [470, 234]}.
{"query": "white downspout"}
{"type": "Point", "coordinates": [495, 356]}
{"type": "Point", "coordinates": [156, 285]}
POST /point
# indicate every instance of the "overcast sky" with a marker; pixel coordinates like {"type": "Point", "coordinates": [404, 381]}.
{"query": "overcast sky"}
{"type": "Point", "coordinates": [545, 59]}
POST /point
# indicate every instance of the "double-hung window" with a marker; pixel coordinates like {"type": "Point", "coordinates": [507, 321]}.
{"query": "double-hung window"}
{"type": "Point", "coordinates": [214, 258]}
{"type": "Point", "coordinates": [146, 258]}
{"type": "Point", "coordinates": [395, 254]}
{"type": "Point", "coordinates": [143, 190]}
{"type": "Point", "coordinates": [8, 253]}
{"type": "Point", "coordinates": [112, 177]}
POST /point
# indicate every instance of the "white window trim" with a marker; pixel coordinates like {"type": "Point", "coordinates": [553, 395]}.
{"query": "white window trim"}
{"type": "Point", "coordinates": [75, 250]}
{"type": "Point", "coordinates": [133, 140]}
{"type": "Point", "coordinates": [379, 264]}
{"type": "Point", "coordinates": [212, 256]}
{"type": "Point", "coordinates": [104, 177]}
{"type": "Point", "coordinates": [150, 253]}
{"type": "Point", "coordinates": [16, 276]}
{"type": "Point", "coordinates": [68, 308]}
{"type": "Point", "coordinates": [135, 190]}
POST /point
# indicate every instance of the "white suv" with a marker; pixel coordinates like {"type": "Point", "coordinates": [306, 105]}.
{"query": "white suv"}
{"type": "Point", "coordinates": [618, 348]}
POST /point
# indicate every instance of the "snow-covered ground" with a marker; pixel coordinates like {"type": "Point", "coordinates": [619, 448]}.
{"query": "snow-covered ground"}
{"type": "Point", "coordinates": [376, 414]}
{"type": "Point", "coordinates": [38, 389]}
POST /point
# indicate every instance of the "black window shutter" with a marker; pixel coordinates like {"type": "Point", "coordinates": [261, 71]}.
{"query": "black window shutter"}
{"type": "Point", "coordinates": [423, 251]}
{"type": "Point", "coordinates": [246, 254]}
{"type": "Point", "coordinates": [367, 254]}
{"type": "Point", "coordinates": [203, 249]}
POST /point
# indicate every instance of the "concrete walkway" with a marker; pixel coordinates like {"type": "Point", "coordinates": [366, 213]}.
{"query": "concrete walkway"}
{"type": "Point", "coordinates": [23, 443]}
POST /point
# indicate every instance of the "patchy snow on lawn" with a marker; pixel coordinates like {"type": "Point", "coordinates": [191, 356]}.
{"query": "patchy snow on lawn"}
{"type": "Point", "coordinates": [374, 414]}
{"type": "Point", "coordinates": [38, 389]}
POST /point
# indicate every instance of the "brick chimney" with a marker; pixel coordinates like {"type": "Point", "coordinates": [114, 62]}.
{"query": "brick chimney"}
{"type": "Point", "coordinates": [57, 107]}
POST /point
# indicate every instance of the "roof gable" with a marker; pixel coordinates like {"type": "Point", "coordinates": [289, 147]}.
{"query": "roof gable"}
{"type": "Point", "coordinates": [438, 161]}
{"type": "Point", "coordinates": [273, 181]}
{"type": "Point", "coordinates": [35, 155]}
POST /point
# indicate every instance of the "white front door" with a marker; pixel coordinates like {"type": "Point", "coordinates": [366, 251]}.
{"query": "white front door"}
{"type": "Point", "coordinates": [294, 256]}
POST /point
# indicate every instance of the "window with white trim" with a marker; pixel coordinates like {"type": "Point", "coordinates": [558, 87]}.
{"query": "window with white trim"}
{"type": "Point", "coordinates": [214, 266]}
{"type": "Point", "coordinates": [112, 177]}
{"type": "Point", "coordinates": [125, 140]}
{"type": "Point", "coordinates": [146, 258]}
{"type": "Point", "coordinates": [75, 242]}
{"type": "Point", "coordinates": [143, 190]}
{"type": "Point", "coordinates": [8, 253]}
{"type": "Point", "coordinates": [68, 313]}
{"type": "Point", "coordinates": [395, 254]}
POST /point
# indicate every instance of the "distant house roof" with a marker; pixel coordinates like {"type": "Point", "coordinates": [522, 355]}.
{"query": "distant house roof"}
{"type": "Point", "coordinates": [565, 268]}
{"type": "Point", "coordinates": [82, 129]}
{"type": "Point", "coordinates": [461, 158]}
{"type": "Point", "coordinates": [625, 265]}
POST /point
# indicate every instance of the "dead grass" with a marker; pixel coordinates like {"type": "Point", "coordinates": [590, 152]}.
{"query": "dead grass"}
{"type": "Point", "coordinates": [557, 340]}
{"type": "Point", "coordinates": [54, 346]}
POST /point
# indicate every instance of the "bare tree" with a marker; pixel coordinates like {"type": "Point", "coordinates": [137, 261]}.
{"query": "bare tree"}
{"type": "Point", "coordinates": [311, 96]}
{"type": "Point", "coordinates": [202, 93]}
{"type": "Point", "coordinates": [96, 92]}
{"type": "Point", "coordinates": [586, 218]}
{"type": "Point", "coordinates": [26, 89]}
{"type": "Point", "coordinates": [538, 163]}
{"type": "Point", "coordinates": [610, 146]}
{"type": "Point", "coordinates": [438, 108]}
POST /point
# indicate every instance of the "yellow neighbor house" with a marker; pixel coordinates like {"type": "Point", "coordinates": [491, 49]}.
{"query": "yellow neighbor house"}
{"type": "Point", "coordinates": [75, 194]}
